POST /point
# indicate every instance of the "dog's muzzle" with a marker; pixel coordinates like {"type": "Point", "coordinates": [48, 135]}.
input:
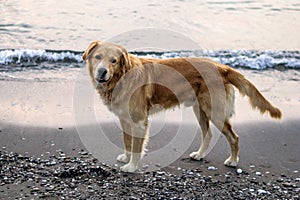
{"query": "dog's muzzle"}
{"type": "Point", "coordinates": [101, 75]}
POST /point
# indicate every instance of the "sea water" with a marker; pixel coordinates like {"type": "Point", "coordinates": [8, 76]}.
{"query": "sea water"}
{"type": "Point", "coordinates": [254, 34]}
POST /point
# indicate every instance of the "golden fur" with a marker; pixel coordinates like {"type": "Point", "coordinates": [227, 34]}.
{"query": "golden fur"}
{"type": "Point", "coordinates": [133, 87]}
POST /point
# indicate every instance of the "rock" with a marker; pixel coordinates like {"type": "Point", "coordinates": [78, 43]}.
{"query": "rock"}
{"type": "Point", "coordinates": [29, 174]}
{"type": "Point", "coordinates": [85, 178]}
{"type": "Point", "coordinates": [50, 188]}
{"type": "Point", "coordinates": [289, 184]}
{"type": "Point", "coordinates": [279, 180]}
{"type": "Point", "coordinates": [239, 171]}
{"type": "Point", "coordinates": [212, 168]}
{"type": "Point", "coordinates": [258, 173]}
{"type": "Point", "coordinates": [262, 192]}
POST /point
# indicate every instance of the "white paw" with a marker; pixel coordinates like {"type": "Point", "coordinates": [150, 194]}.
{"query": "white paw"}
{"type": "Point", "coordinates": [129, 168]}
{"type": "Point", "coordinates": [231, 162]}
{"type": "Point", "coordinates": [196, 156]}
{"type": "Point", "coordinates": [124, 158]}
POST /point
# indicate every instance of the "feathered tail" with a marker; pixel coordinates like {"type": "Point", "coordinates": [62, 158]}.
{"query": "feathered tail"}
{"type": "Point", "coordinates": [256, 99]}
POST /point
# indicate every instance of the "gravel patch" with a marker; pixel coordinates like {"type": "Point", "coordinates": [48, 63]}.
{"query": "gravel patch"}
{"type": "Point", "coordinates": [59, 176]}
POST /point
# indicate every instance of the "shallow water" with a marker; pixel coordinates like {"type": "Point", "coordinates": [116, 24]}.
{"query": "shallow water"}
{"type": "Point", "coordinates": [72, 25]}
{"type": "Point", "coordinates": [38, 36]}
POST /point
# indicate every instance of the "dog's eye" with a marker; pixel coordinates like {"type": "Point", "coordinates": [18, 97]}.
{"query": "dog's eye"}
{"type": "Point", "coordinates": [98, 57]}
{"type": "Point", "coordinates": [113, 61]}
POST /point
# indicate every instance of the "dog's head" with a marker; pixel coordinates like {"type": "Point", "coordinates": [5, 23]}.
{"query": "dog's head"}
{"type": "Point", "coordinates": [105, 61]}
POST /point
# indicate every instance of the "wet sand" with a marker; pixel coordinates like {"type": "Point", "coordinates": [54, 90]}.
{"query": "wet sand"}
{"type": "Point", "coordinates": [37, 119]}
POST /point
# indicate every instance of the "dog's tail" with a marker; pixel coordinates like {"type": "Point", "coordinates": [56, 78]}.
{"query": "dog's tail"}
{"type": "Point", "coordinates": [256, 99]}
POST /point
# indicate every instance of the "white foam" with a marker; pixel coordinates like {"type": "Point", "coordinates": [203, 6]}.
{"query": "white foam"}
{"type": "Point", "coordinates": [234, 58]}
{"type": "Point", "coordinates": [33, 56]}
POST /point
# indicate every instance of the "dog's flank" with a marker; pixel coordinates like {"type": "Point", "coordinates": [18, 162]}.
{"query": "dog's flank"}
{"type": "Point", "coordinates": [133, 87]}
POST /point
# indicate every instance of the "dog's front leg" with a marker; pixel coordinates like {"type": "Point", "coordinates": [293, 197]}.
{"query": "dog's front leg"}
{"type": "Point", "coordinates": [127, 140]}
{"type": "Point", "coordinates": [139, 139]}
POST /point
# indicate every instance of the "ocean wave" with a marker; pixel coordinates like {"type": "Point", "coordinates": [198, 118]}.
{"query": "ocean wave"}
{"type": "Point", "coordinates": [18, 56]}
{"type": "Point", "coordinates": [250, 59]}
{"type": "Point", "coordinates": [11, 59]}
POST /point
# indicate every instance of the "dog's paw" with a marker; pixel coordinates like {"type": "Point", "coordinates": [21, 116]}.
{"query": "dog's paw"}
{"type": "Point", "coordinates": [124, 158]}
{"type": "Point", "coordinates": [231, 162]}
{"type": "Point", "coordinates": [129, 168]}
{"type": "Point", "coordinates": [196, 156]}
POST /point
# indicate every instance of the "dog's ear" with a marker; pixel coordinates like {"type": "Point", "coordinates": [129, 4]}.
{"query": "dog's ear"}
{"type": "Point", "coordinates": [89, 49]}
{"type": "Point", "coordinates": [124, 62]}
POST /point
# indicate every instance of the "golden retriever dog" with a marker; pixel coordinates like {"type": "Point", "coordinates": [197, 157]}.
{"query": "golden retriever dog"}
{"type": "Point", "coordinates": [134, 87]}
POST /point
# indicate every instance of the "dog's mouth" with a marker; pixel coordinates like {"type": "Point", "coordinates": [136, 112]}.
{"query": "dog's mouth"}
{"type": "Point", "coordinates": [102, 80]}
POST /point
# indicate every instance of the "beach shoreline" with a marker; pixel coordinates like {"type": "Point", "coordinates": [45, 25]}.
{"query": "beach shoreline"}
{"type": "Point", "coordinates": [38, 121]}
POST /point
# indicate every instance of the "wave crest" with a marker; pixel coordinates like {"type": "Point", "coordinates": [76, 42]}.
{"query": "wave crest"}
{"type": "Point", "coordinates": [251, 59]}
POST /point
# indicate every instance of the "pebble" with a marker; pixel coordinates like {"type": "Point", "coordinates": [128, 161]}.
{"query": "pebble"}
{"type": "Point", "coordinates": [212, 168]}
{"type": "Point", "coordinates": [289, 184]}
{"type": "Point", "coordinates": [258, 173]}
{"type": "Point", "coordinates": [84, 177]}
{"type": "Point", "coordinates": [29, 174]}
{"type": "Point", "coordinates": [239, 171]}
{"type": "Point", "coordinates": [35, 189]}
{"type": "Point", "coordinates": [44, 182]}
{"type": "Point", "coordinates": [83, 153]}
{"type": "Point", "coordinates": [260, 192]}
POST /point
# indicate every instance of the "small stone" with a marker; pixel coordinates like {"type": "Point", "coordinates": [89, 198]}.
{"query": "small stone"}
{"type": "Point", "coordinates": [258, 173]}
{"type": "Point", "coordinates": [287, 184]}
{"type": "Point", "coordinates": [160, 173]}
{"type": "Point", "coordinates": [260, 192]}
{"type": "Point", "coordinates": [239, 171]}
{"type": "Point", "coordinates": [29, 174]}
{"type": "Point", "coordinates": [276, 187]}
{"type": "Point", "coordinates": [49, 188]}
{"type": "Point", "coordinates": [283, 175]}
{"type": "Point", "coordinates": [83, 153]}
{"type": "Point", "coordinates": [212, 168]}
{"type": "Point", "coordinates": [252, 166]}
{"type": "Point", "coordinates": [35, 189]}
{"type": "Point", "coordinates": [280, 180]}
{"type": "Point", "coordinates": [44, 182]}
{"type": "Point", "coordinates": [145, 166]}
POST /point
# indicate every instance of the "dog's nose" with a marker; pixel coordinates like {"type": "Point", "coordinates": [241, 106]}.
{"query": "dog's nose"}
{"type": "Point", "coordinates": [101, 74]}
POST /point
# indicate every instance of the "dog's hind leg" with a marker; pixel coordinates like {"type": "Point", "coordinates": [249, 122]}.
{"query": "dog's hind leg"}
{"type": "Point", "coordinates": [233, 140]}
{"type": "Point", "coordinates": [206, 134]}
